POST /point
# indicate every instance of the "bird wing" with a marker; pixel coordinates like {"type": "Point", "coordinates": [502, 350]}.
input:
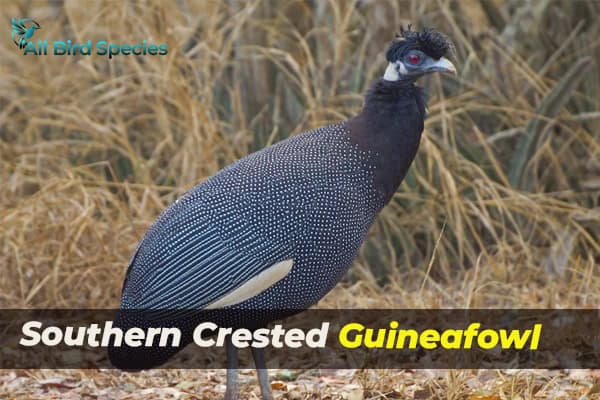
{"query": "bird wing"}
{"type": "Point", "coordinates": [254, 286]}
{"type": "Point", "coordinates": [17, 27]}
{"type": "Point", "coordinates": [294, 198]}
{"type": "Point", "coordinates": [184, 262]}
{"type": "Point", "coordinates": [17, 30]}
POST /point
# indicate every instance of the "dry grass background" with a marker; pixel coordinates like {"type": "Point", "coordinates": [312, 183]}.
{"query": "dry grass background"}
{"type": "Point", "coordinates": [500, 209]}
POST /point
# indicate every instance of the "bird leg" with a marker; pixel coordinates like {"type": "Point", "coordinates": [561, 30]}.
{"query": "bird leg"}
{"type": "Point", "coordinates": [231, 388]}
{"type": "Point", "coordinates": [263, 373]}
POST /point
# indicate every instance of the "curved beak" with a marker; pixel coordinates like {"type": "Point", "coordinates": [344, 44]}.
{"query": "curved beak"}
{"type": "Point", "coordinates": [442, 65]}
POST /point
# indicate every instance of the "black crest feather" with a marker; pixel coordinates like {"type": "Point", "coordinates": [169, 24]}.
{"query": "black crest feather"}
{"type": "Point", "coordinates": [431, 42]}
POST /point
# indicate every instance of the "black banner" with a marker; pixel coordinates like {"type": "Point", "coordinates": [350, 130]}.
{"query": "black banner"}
{"type": "Point", "coordinates": [136, 339]}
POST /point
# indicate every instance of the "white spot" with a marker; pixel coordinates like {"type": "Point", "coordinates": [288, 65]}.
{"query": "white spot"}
{"type": "Point", "coordinates": [401, 68]}
{"type": "Point", "coordinates": [394, 71]}
{"type": "Point", "coordinates": [254, 286]}
{"type": "Point", "coordinates": [391, 74]}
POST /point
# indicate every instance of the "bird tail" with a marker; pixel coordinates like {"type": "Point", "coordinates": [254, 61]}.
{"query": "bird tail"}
{"type": "Point", "coordinates": [145, 356]}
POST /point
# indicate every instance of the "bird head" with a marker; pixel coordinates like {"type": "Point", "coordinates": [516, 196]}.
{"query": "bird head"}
{"type": "Point", "coordinates": [413, 54]}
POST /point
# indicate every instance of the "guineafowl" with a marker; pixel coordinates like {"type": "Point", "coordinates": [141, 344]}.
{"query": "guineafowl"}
{"type": "Point", "coordinates": [276, 230]}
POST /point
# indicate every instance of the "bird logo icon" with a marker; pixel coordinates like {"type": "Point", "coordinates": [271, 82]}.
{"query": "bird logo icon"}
{"type": "Point", "coordinates": [22, 30]}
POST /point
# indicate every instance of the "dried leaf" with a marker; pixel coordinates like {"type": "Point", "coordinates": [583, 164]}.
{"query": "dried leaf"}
{"type": "Point", "coordinates": [422, 394]}
{"type": "Point", "coordinates": [185, 385]}
{"type": "Point", "coordinates": [57, 382]}
{"type": "Point", "coordinates": [354, 395]}
{"type": "Point", "coordinates": [286, 375]}
{"type": "Point", "coordinates": [594, 389]}
{"type": "Point", "coordinates": [394, 394]}
{"type": "Point", "coordinates": [277, 385]}
{"type": "Point", "coordinates": [294, 395]}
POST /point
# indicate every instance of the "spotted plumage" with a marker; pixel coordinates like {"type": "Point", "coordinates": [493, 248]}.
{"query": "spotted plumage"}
{"type": "Point", "coordinates": [310, 198]}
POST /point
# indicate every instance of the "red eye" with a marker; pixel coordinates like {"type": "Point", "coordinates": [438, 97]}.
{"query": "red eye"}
{"type": "Point", "coordinates": [414, 58]}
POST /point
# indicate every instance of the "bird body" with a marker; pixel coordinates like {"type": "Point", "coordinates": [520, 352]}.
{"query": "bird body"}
{"type": "Point", "coordinates": [275, 231]}
{"type": "Point", "coordinates": [310, 199]}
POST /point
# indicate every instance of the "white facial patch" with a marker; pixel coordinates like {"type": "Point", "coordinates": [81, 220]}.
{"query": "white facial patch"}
{"type": "Point", "coordinates": [401, 68]}
{"type": "Point", "coordinates": [254, 286]}
{"type": "Point", "coordinates": [394, 71]}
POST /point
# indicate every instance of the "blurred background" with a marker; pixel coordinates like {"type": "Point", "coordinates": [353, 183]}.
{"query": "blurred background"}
{"type": "Point", "coordinates": [500, 209]}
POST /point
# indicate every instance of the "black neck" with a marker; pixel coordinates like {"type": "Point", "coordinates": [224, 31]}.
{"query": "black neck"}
{"type": "Point", "coordinates": [390, 126]}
